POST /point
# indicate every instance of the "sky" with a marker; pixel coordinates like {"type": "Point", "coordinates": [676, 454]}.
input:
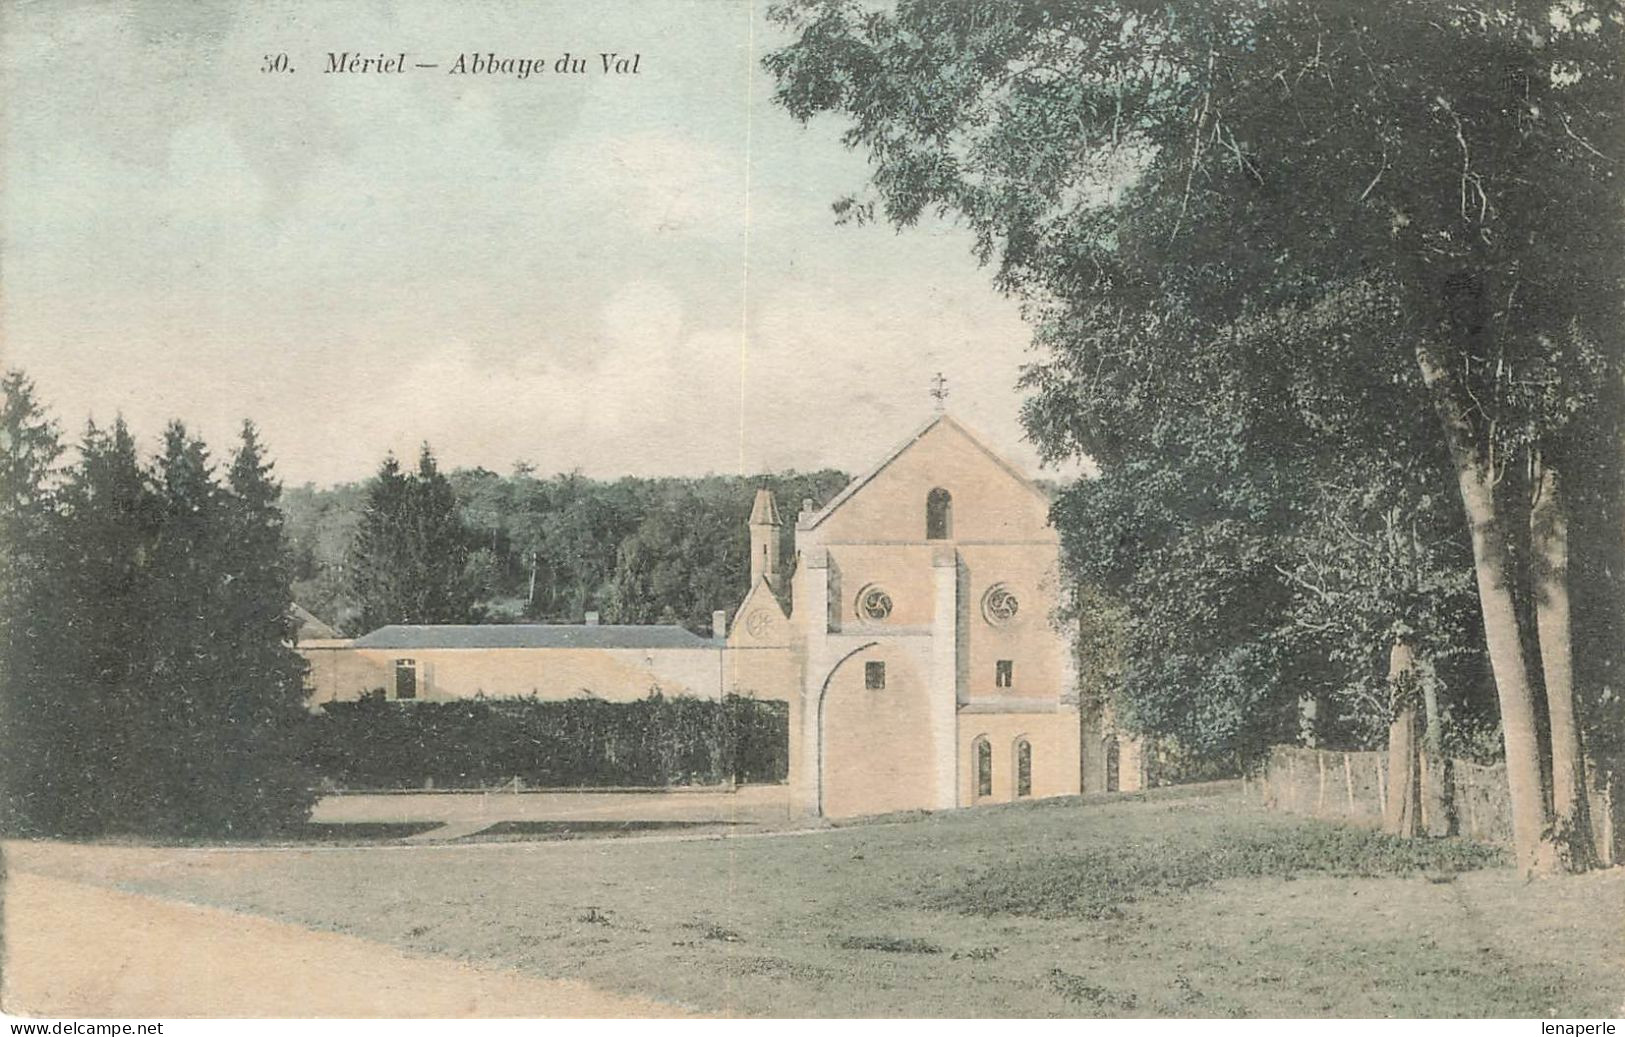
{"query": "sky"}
{"type": "Point", "coordinates": [622, 274]}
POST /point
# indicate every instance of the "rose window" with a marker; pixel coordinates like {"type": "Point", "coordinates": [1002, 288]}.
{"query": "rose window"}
{"type": "Point", "coordinates": [1000, 605]}
{"type": "Point", "coordinates": [874, 604]}
{"type": "Point", "coordinates": [759, 623]}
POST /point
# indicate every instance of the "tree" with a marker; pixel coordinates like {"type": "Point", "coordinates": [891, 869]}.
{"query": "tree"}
{"type": "Point", "coordinates": [1146, 177]}
{"type": "Point", "coordinates": [378, 566]}
{"type": "Point", "coordinates": [201, 693]}
{"type": "Point", "coordinates": [267, 789]}
{"type": "Point", "coordinates": [110, 522]}
{"type": "Point", "coordinates": [409, 561]}
{"type": "Point", "coordinates": [580, 536]}
{"type": "Point", "coordinates": [1271, 545]}
{"type": "Point", "coordinates": [438, 546]}
{"type": "Point", "coordinates": [681, 563]}
{"type": "Point", "coordinates": [30, 448]}
{"type": "Point", "coordinates": [690, 553]}
{"type": "Point", "coordinates": [186, 690]}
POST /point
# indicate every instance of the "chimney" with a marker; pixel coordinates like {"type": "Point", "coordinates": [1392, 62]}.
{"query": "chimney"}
{"type": "Point", "coordinates": [719, 625]}
{"type": "Point", "coordinates": [592, 619]}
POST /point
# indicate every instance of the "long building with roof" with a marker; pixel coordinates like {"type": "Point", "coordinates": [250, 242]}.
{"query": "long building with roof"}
{"type": "Point", "coordinates": [406, 663]}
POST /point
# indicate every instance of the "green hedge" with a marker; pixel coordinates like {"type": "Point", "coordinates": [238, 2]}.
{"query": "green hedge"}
{"type": "Point", "coordinates": [584, 742]}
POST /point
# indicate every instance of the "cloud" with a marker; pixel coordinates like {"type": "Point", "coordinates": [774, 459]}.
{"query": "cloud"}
{"type": "Point", "coordinates": [651, 182]}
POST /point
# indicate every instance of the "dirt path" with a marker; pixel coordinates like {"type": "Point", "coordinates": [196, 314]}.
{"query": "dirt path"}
{"type": "Point", "coordinates": [73, 950]}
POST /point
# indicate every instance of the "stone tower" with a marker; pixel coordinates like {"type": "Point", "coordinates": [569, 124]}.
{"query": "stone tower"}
{"type": "Point", "coordinates": [764, 540]}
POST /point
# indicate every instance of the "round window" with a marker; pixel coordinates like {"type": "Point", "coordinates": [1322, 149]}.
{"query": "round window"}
{"type": "Point", "coordinates": [759, 623]}
{"type": "Point", "coordinates": [874, 604]}
{"type": "Point", "coordinates": [1000, 605]}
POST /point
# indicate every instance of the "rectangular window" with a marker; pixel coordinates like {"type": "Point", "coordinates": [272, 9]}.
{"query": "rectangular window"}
{"type": "Point", "coordinates": [874, 676]}
{"type": "Point", "coordinates": [1004, 675]}
{"type": "Point", "coordinates": [406, 678]}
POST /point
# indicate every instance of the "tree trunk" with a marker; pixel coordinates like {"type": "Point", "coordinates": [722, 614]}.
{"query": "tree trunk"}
{"type": "Point", "coordinates": [1401, 813]}
{"type": "Point", "coordinates": [1438, 808]}
{"type": "Point", "coordinates": [1526, 784]}
{"type": "Point", "coordinates": [1549, 539]}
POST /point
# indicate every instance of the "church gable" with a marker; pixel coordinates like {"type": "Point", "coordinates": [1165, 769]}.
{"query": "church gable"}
{"type": "Point", "coordinates": [760, 621]}
{"type": "Point", "coordinates": [943, 484]}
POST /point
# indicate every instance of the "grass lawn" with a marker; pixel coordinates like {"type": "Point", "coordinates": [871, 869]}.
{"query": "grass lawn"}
{"type": "Point", "coordinates": [1173, 903]}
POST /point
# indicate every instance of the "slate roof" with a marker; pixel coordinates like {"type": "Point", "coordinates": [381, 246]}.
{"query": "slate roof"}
{"type": "Point", "coordinates": [531, 635]}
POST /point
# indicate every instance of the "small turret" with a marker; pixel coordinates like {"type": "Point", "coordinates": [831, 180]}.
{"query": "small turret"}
{"type": "Point", "coordinates": [764, 540]}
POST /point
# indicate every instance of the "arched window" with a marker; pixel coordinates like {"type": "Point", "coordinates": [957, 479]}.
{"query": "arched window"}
{"type": "Point", "coordinates": [939, 515]}
{"type": "Point", "coordinates": [984, 767]}
{"type": "Point", "coordinates": [1024, 768]}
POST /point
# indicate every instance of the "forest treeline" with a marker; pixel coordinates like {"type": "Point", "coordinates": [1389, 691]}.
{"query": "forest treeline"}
{"type": "Point", "coordinates": [527, 547]}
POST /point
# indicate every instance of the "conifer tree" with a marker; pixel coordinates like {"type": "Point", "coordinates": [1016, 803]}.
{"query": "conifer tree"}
{"type": "Point", "coordinates": [29, 450]}
{"type": "Point", "coordinates": [410, 559]}
{"type": "Point", "coordinates": [109, 529]}
{"type": "Point", "coordinates": [378, 567]}
{"type": "Point", "coordinates": [439, 548]}
{"type": "Point", "coordinates": [263, 673]}
{"type": "Point", "coordinates": [257, 575]}
{"type": "Point", "coordinates": [185, 694]}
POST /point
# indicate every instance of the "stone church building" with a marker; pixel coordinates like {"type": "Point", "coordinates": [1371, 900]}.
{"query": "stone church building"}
{"type": "Point", "coordinates": [912, 635]}
{"type": "Point", "coordinates": [927, 669]}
